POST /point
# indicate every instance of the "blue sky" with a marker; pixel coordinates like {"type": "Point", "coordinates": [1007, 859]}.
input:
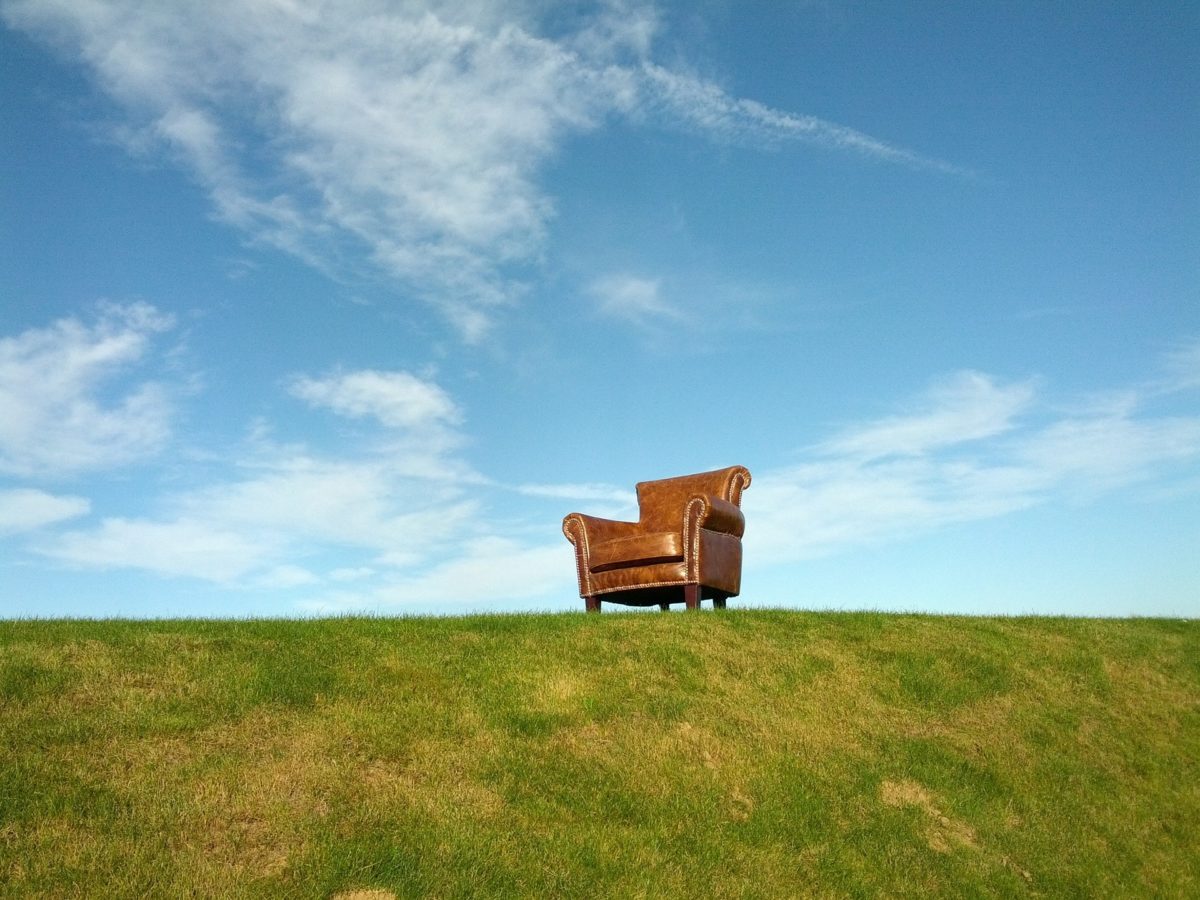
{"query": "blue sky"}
{"type": "Point", "coordinates": [314, 308]}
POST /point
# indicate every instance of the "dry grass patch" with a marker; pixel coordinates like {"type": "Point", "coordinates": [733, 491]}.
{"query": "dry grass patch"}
{"type": "Point", "coordinates": [941, 831]}
{"type": "Point", "coordinates": [439, 779]}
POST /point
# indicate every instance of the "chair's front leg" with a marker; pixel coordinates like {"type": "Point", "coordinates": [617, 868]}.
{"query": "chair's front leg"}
{"type": "Point", "coordinates": [592, 603]}
{"type": "Point", "coordinates": [691, 596]}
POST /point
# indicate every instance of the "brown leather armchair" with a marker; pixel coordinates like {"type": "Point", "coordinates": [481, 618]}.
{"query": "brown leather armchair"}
{"type": "Point", "coordinates": [686, 545]}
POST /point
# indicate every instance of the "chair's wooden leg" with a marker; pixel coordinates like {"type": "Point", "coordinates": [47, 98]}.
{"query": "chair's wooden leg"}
{"type": "Point", "coordinates": [691, 596]}
{"type": "Point", "coordinates": [592, 603]}
{"type": "Point", "coordinates": [719, 601]}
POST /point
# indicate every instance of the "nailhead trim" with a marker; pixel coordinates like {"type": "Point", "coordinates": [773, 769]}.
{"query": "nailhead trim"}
{"type": "Point", "coordinates": [637, 587]}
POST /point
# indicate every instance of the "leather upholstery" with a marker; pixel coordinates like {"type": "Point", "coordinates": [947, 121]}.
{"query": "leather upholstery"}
{"type": "Point", "coordinates": [636, 550]}
{"type": "Point", "coordinates": [688, 535]}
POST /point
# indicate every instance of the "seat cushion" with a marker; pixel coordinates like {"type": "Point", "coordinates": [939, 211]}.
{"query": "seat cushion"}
{"type": "Point", "coordinates": [639, 550]}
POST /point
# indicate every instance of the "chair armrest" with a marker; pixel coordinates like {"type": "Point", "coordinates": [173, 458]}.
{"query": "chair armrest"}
{"type": "Point", "coordinates": [583, 530]}
{"type": "Point", "coordinates": [718, 515]}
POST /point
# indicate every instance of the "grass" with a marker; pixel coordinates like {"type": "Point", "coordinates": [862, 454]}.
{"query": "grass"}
{"type": "Point", "coordinates": [734, 754]}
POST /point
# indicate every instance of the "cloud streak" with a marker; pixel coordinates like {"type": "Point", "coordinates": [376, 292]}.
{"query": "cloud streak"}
{"type": "Point", "coordinates": [708, 108]}
{"type": "Point", "coordinates": [55, 418]}
{"type": "Point", "coordinates": [486, 571]}
{"type": "Point", "coordinates": [287, 513]}
{"type": "Point", "coordinates": [411, 135]}
{"type": "Point", "coordinates": [394, 500]}
{"type": "Point", "coordinates": [395, 399]}
{"type": "Point", "coordinates": [25, 509]}
{"type": "Point", "coordinates": [185, 548]}
{"type": "Point", "coordinates": [969, 449]}
{"type": "Point", "coordinates": [964, 407]}
{"type": "Point", "coordinates": [633, 299]}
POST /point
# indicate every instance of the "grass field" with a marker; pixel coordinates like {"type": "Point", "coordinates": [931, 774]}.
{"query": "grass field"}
{"type": "Point", "coordinates": [719, 754]}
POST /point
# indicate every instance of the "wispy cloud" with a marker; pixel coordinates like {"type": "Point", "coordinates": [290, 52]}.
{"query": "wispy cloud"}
{"type": "Point", "coordinates": [964, 407]}
{"type": "Point", "coordinates": [605, 500]}
{"type": "Point", "coordinates": [1182, 367]}
{"type": "Point", "coordinates": [421, 433]}
{"type": "Point", "coordinates": [396, 399]}
{"type": "Point", "coordinates": [180, 547]}
{"type": "Point", "coordinates": [382, 525]}
{"type": "Point", "coordinates": [969, 449]}
{"type": "Point", "coordinates": [601, 492]}
{"type": "Point", "coordinates": [393, 498]}
{"type": "Point", "coordinates": [58, 412]}
{"type": "Point", "coordinates": [245, 526]}
{"type": "Point", "coordinates": [410, 135]}
{"type": "Point", "coordinates": [1105, 451]}
{"type": "Point", "coordinates": [484, 572]}
{"type": "Point", "coordinates": [634, 299]}
{"type": "Point", "coordinates": [707, 107]}
{"type": "Point", "coordinates": [26, 509]}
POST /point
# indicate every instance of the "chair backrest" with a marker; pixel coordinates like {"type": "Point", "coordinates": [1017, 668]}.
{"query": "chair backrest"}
{"type": "Point", "coordinates": [661, 502]}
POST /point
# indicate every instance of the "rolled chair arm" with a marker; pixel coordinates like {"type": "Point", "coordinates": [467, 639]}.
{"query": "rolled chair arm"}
{"type": "Point", "coordinates": [718, 515]}
{"type": "Point", "coordinates": [592, 529]}
{"type": "Point", "coordinates": [583, 531]}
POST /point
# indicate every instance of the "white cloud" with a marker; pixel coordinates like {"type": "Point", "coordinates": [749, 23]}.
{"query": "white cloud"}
{"type": "Point", "coordinates": [603, 500]}
{"type": "Point", "coordinates": [1183, 367]}
{"type": "Point", "coordinates": [255, 528]}
{"type": "Point", "coordinates": [286, 576]}
{"type": "Point", "coordinates": [1102, 452]}
{"type": "Point", "coordinates": [706, 106]}
{"type": "Point", "coordinates": [606, 493]}
{"type": "Point", "coordinates": [185, 547]}
{"type": "Point", "coordinates": [412, 134]}
{"type": "Point", "coordinates": [968, 451]}
{"type": "Point", "coordinates": [485, 571]}
{"type": "Point", "coordinates": [365, 504]}
{"type": "Point", "coordinates": [491, 569]}
{"type": "Point", "coordinates": [352, 573]}
{"type": "Point", "coordinates": [396, 399]}
{"type": "Point", "coordinates": [638, 300]}
{"type": "Point", "coordinates": [422, 421]}
{"type": "Point", "coordinates": [396, 501]}
{"type": "Point", "coordinates": [27, 510]}
{"type": "Point", "coordinates": [58, 412]}
{"type": "Point", "coordinates": [819, 508]}
{"type": "Point", "coordinates": [967, 406]}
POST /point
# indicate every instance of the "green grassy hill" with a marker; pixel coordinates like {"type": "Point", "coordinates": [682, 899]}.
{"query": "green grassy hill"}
{"type": "Point", "coordinates": [736, 754]}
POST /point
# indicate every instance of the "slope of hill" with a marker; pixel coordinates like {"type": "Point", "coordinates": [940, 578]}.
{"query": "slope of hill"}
{"type": "Point", "coordinates": [743, 753]}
